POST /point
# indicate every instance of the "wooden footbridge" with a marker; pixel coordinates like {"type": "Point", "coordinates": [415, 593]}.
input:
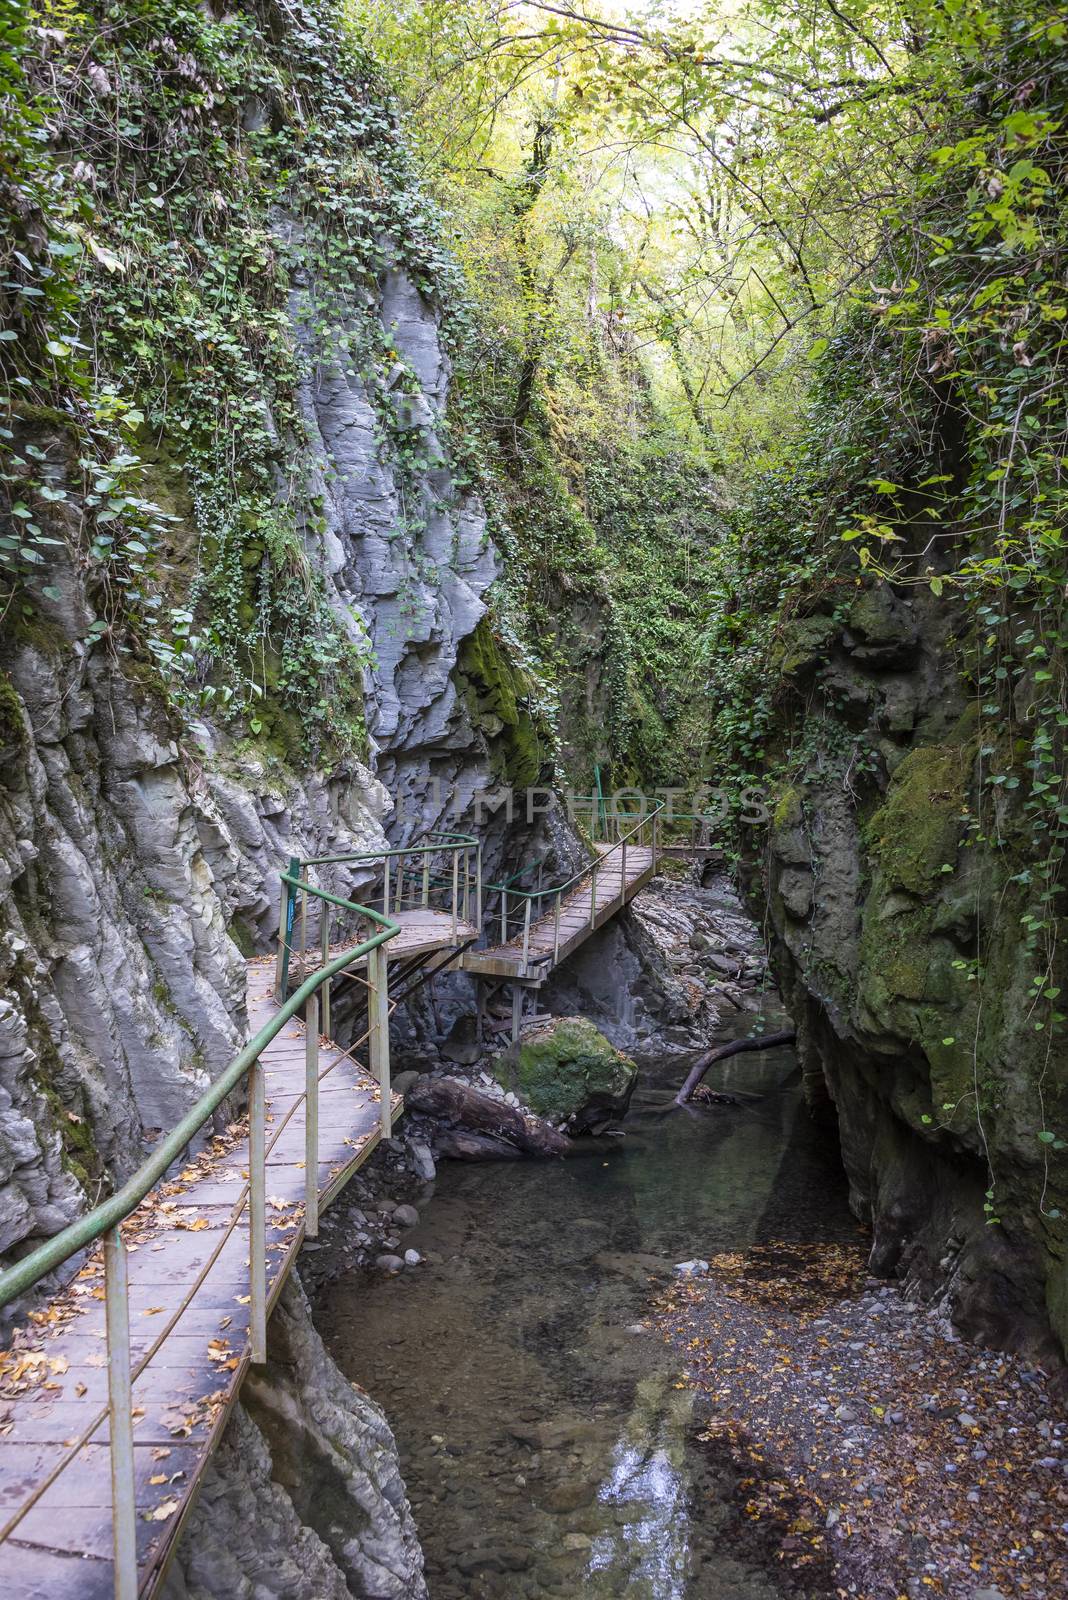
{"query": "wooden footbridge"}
{"type": "Point", "coordinates": [115, 1390]}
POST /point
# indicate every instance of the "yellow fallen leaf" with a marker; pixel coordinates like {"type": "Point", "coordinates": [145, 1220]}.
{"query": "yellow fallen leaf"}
{"type": "Point", "coordinates": [165, 1509]}
{"type": "Point", "coordinates": [158, 1477]}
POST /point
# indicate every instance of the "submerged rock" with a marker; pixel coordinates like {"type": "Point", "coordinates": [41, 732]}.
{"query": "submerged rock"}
{"type": "Point", "coordinates": [567, 1070]}
{"type": "Point", "coordinates": [691, 1269]}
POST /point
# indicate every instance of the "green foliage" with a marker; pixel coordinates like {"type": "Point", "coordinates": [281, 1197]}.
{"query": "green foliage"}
{"type": "Point", "coordinates": [183, 189]}
{"type": "Point", "coordinates": [931, 460]}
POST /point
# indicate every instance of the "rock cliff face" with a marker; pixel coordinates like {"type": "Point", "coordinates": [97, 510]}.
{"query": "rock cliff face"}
{"type": "Point", "coordinates": [304, 1495]}
{"type": "Point", "coordinates": [899, 929]}
{"type": "Point", "coordinates": [419, 595]}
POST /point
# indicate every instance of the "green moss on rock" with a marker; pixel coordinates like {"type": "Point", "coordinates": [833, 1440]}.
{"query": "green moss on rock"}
{"type": "Point", "coordinates": [567, 1068]}
{"type": "Point", "coordinates": [13, 739]}
{"type": "Point", "coordinates": [802, 645]}
{"type": "Point", "coordinates": [498, 694]}
{"type": "Point", "coordinates": [915, 833]}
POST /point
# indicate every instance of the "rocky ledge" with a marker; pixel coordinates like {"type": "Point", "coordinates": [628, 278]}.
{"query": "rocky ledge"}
{"type": "Point", "coordinates": [304, 1497]}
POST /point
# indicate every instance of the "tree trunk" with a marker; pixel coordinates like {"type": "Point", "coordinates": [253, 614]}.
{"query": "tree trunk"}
{"type": "Point", "coordinates": [769, 1041]}
{"type": "Point", "coordinates": [459, 1106]}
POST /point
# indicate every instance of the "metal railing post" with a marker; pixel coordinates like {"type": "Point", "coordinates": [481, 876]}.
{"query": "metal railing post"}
{"type": "Point", "coordinates": [656, 830]}
{"type": "Point", "coordinates": [120, 1416]}
{"type": "Point", "coordinates": [593, 895]}
{"type": "Point", "coordinates": [556, 928]}
{"type": "Point", "coordinates": [257, 1214]}
{"type": "Point", "coordinates": [283, 934]}
{"type": "Point", "coordinates": [325, 915]}
{"type": "Point", "coordinates": [378, 1038]}
{"type": "Point", "coordinates": [526, 930]}
{"type": "Point", "coordinates": [426, 877]}
{"type": "Point", "coordinates": [623, 871]}
{"type": "Point", "coordinates": [311, 1118]}
{"type": "Point", "coordinates": [504, 916]}
{"type": "Point", "coordinates": [478, 887]}
{"type": "Point", "coordinates": [455, 878]}
{"type": "Point", "coordinates": [385, 890]}
{"type": "Point", "coordinates": [290, 918]}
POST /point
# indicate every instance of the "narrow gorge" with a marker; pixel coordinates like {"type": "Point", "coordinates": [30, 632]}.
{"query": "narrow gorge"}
{"type": "Point", "coordinates": [532, 552]}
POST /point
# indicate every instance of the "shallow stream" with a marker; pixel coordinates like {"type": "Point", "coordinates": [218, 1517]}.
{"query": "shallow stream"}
{"type": "Point", "coordinates": [546, 1447]}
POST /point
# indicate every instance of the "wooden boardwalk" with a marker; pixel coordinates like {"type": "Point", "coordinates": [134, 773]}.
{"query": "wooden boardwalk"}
{"type": "Point", "coordinates": [189, 1321]}
{"type": "Point", "coordinates": [546, 947]}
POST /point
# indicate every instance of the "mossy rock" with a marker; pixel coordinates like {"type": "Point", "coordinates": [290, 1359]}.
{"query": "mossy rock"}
{"type": "Point", "coordinates": [915, 834]}
{"type": "Point", "coordinates": [498, 694]}
{"type": "Point", "coordinates": [567, 1070]}
{"type": "Point", "coordinates": [803, 645]}
{"type": "Point", "coordinates": [879, 628]}
{"type": "Point", "coordinates": [13, 737]}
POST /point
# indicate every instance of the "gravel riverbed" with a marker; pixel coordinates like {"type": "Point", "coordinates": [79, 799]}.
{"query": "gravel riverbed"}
{"type": "Point", "coordinates": [917, 1463]}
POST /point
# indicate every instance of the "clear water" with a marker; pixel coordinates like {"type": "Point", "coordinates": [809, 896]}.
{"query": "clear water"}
{"type": "Point", "coordinates": [545, 1446]}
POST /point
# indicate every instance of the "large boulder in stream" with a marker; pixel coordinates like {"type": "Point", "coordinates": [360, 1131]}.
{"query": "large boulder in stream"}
{"type": "Point", "coordinates": [566, 1070]}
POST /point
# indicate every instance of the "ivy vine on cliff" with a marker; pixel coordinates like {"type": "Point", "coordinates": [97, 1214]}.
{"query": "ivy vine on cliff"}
{"type": "Point", "coordinates": [182, 196]}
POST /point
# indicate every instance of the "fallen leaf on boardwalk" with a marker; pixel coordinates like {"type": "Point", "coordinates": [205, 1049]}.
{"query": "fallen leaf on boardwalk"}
{"type": "Point", "coordinates": [95, 1361]}
{"type": "Point", "coordinates": [153, 1311]}
{"type": "Point", "coordinates": [80, 1389]}
{"type": "Point", "coordinates": [165, 1509]}
{"type": "Point", "coordinates": [158, 1477]}
{"type": "Point", "coordinates": [161, 1453]}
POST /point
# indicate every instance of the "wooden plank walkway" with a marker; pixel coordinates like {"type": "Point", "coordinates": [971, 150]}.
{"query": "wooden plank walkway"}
{"type": "Point", "coordinates": [614, 891]}
{"type": "Point", "coordinates": [188, 1276]}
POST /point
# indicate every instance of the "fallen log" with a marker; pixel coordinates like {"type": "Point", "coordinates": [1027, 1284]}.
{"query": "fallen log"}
{"type": "Point", "coordinates": [456, 1104]}
{"type": "Point", "coordinates": [767, 1041]}
{"type": "Point", "coordinates": [457, 1144]}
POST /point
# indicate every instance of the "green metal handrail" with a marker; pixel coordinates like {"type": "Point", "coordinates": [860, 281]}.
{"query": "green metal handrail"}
{"type": "Point", "coordinates": [460, 846]}
{"type": "Point", "coordinates": [104, 1222]}
{"type": "Point", "coordinates": [87, 1230]}
{"type": "Point", "coordinates": [450, 841]}
{"type": "Point", "coordinates": [584, 872]}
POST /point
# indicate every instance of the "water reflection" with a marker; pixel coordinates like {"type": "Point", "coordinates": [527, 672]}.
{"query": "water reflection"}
{"type": "Point", "coordinates": [545, 1448]}
{"type": "Point", "coordinates": [648, 1480]}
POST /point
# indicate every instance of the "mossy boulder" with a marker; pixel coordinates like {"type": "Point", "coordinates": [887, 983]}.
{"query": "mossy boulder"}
{"type": "Point", "coordinates": [566, 1070]}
